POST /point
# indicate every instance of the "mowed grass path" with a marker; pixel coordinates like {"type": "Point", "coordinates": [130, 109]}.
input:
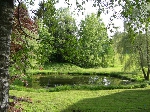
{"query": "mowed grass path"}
{"type": "Point", "coordinates": [120, 100]}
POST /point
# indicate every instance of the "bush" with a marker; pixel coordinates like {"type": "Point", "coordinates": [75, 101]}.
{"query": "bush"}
{"type": "Point", "coordinates": [18, 82]}
{"type": "Point", "coordinates": [21, 80]}
{"type": "Point", "coordinates": [143, 85]}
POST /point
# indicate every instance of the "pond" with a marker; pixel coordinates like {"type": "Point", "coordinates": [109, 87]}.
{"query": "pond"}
{"type": "Point", "coordinates": [58, 80]}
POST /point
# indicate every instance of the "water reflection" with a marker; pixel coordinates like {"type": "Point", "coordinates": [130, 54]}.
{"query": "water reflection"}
{"type": "Point", "coordinates": [103, 80]}
{"type": "Point", "coordinates": [53, 81]}
{"type": "Point", "coordinates": [106, 82]}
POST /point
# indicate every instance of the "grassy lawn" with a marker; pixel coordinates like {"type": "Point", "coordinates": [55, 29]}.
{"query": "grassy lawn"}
{"type": "Point", "coordinates": [65, 68]}
{"type": "Point", "coordinates": [83, 100]}
{"type": "Point", "coordinates": [119, 100]}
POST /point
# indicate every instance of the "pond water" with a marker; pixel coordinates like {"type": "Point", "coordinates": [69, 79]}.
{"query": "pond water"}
{"type": "Point", "coordinates": [58, 80]}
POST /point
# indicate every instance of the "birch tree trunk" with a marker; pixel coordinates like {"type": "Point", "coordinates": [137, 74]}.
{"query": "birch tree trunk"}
{"type": "Point", "coordinates": [6, 17]}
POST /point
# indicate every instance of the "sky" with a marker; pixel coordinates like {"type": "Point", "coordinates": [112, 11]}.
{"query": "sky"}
{"type": "Point", "coordinates": [89, 9]}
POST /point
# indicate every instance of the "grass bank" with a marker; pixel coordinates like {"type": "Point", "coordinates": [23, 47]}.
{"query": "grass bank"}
{"type": "Point", "coordinates": [70, 68]}
{"type": "Point", "coordinates": [64, 68]}
{"type": "Point", "coordinates": [118, 100]}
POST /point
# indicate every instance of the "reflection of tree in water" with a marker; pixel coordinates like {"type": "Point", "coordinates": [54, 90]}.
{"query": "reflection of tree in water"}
{"type": "Point", "coordinates": [54, 81]}
{"type": "Point", "coordinates": [93, 80]}
{"type": "Point", "coordinates": [105, 81]}
{"type": "Point", "coordinates": [98, 80]}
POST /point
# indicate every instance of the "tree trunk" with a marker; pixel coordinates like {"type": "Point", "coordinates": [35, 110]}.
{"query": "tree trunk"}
{"type": "Point", "coordinates": [141, 61]}
{"type": "Point", "coordinates": [147, 76]}
{"type": "Point", "coordinates": [6, 17]}
{"type": "Point", "coordinates": [148, 52]}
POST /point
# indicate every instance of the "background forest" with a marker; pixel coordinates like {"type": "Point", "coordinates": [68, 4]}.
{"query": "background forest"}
{"type": "Point", "coordinates": [56, 38]}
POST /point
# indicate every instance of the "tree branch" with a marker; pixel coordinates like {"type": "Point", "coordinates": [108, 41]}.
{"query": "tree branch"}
{"type": "Point", "coordinates": [26, 35]}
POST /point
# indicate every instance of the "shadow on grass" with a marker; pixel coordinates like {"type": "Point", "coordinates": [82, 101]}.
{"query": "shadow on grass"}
{"type": "Point", "coordinates": [126, 101]}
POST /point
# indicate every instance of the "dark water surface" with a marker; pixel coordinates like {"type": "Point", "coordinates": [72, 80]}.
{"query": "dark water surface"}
{"type": "Point", "coordinates": [57, 80]}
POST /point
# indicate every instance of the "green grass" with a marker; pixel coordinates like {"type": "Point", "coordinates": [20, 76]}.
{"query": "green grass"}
{"type": "Point", "coordinates": [85, 98]}
{"type": "Point", "coordinates": [70, 68]}
{"type": "Point", "coordinates": [122, 100]}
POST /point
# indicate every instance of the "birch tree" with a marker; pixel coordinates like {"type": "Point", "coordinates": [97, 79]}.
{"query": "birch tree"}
{"type": "Point", "coordinates": [6, 17]}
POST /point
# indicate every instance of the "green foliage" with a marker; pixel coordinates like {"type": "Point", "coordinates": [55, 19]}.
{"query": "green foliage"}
{"type": "Point", "coordinates": [46, 10]}
{"type": "Point", "coordinates": [18, 82]}
{"type": "Point", "coordinates": [21, 80]}
{"type": "Point", "coordinates": [133, 50]}
{"type": "Point", "coordinates": [91, 48]}
{"type": "Point", "coordinates": [138, 78]}
{"type": "Point", "coordinates": [94, 46]}
{"type": "Point", "coordinates": [24, 59]}
{"type": "Point", "coordinates": [23, 41]}
{"type": "Point", "coordinates": [136, 16]}
{"type": "Point", "coordinates": [65, 40]}
{"type": "Point", "coordinates": [45, 42]}
{"type": "Point", "coordinates": [62, 27]}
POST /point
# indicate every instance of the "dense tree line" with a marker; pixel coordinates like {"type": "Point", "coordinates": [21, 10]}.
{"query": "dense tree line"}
{"type": "Point", "coordinates": [94, 44]}
{"type": "Point", "coordinates": [87, 45]}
